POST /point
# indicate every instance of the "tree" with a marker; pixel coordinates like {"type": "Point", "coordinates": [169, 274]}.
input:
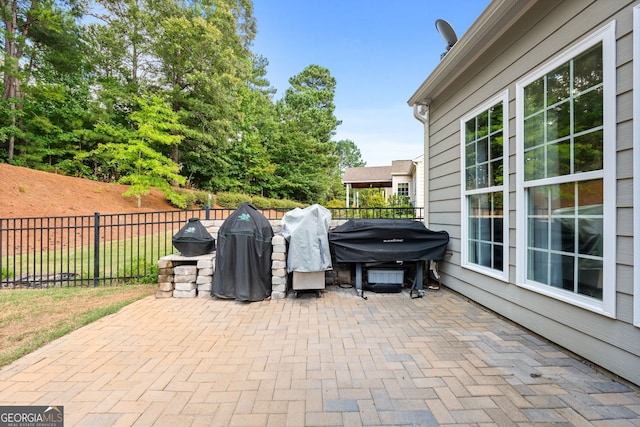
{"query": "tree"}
{"type": "Point", "coordinates": [55, 96]}
{"type": "Point", "coordinates": [133, 156]}
{"type": "Point", "coordinates": [122, 43]}
{"type": "Point", "coordinates": [303, 151]}
{"type": "Point", "coordinates": [349, 155]}
{"type": "Point", "coordinates": [249, 167]}
{"type": "Point", "coordinates": [203, 74]}
{"type": "Point", "coordinates": [28, 27]}
{"type": "Point", "coordinates": [310, 100]}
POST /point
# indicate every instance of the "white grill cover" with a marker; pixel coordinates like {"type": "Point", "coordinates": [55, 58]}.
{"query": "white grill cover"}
{"type": "Point", "coordinates": [307, 231]}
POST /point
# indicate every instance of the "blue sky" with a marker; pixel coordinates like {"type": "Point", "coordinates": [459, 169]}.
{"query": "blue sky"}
{"type": "Point", "coordinates": [379, 51]}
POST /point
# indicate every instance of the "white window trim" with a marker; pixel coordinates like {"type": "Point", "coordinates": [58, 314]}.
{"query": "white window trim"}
{"type": "Point", "coordinates": [464, 208]}
{"type": "Point", "coordinates": [606, 307]}
{"type": "Point", "coordinates": [636, 166]}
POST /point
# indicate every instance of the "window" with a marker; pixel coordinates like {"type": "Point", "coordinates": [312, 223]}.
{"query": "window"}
{"type": "Point", "coordinates": [565, 146]}
{"type": "Point", "coordinates": [484, 222]}
{"type": "Point", "coordinates": [403, 189]}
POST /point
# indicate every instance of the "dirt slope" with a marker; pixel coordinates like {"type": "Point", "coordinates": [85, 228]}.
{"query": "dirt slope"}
{"type": "Point", "coordinates": [30, 193]}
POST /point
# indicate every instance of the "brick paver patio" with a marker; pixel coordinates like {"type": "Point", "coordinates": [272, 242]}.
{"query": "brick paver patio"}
{"type": "Point", "coordinates": [329, 361]}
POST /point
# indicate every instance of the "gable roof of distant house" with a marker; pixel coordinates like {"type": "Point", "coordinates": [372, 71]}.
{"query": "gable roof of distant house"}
{"type": "Point", "coordinates": [377, 176]}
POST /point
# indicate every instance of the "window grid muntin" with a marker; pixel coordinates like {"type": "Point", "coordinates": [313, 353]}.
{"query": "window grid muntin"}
{"type": "Point", "coordinates": [541, 113]}
{"type": "Point", "coordinates": [403, 189]}
{"type": "Point", "coordinates": [540, 260]}
{"type": "Point", "coordinates": [485, 219]}
{"type": "Point", "coordinates": [480, 165]}
{"type": "Point", "coordinates": [485, 131]}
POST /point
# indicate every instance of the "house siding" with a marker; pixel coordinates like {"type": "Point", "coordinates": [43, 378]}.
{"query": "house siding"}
{"type": "Point", "coordinates": [418, 182]}
{"type": "Point", "coordinates": [543, 32]}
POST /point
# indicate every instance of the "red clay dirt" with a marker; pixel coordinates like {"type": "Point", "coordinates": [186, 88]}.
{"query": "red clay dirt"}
{"type": "Point", "coordinates": [30, 193]}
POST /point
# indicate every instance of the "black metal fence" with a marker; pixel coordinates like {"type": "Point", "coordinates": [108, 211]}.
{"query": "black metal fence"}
{"type": "Point", "coordinates": [105, 249]}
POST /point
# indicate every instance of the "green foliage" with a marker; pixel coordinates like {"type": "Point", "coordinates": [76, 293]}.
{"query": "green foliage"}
{"type": "Point", "coordinates": [402, 206]}
{"type": "Point", "coordinates": [398, 201]}
{"type": "Point", "coordinates": [373, 199]}
{"type": "Point", "coordinates": [144, 272]}
{"type": "Point", "coordinates": [301, 149]}
{"type": "Point", "coordinates": [185, 199]}
{"type": "Point", "coordinates": [181, 199]}
{"type": "Point", "coordinates": [122, 99]}
{"type": "Point", "coordinates": [335, 204]}
{"type": "Point", "coordinates": [232, 200]}
{"type": "Point", "coordinates": [132, 156]}
{"type": "Point", "coordinates": [265, 203]}
{"type": "Point", "coordinates": [261, 202]}
{"type": "Point", "coordinates": [204, 199]}
{"type": "Point", "coordinates": [349, 154]}
{"type": "Point", "coordinates": [287, 204]}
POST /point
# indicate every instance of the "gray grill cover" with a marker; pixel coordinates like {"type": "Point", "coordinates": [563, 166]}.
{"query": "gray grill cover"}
{"type": "Point", "coordinates": [307, 231]}
{"type": "Point", "coordinates": [243, 256]}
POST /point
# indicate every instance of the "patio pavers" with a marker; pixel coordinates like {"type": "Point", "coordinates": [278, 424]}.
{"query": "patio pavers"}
{"type": "Point", "coordinates": [334, 360]}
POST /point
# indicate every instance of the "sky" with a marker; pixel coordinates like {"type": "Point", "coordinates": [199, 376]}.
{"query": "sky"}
{"type": "Point", "coordinates": [379, 52]}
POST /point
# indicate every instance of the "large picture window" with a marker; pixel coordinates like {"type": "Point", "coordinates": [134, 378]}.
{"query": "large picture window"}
{"type": "Point", "coordinates": [484, 150]}
{"type": "Point", "coordinates": [565, 181]}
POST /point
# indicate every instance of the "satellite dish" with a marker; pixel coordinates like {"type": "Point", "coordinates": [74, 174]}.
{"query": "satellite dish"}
{"type": "Point", "coordinates": [448, 34]}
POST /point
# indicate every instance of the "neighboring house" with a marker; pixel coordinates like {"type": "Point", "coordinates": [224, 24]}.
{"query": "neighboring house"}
{"type": "Point", "coordinates": [403, 178]}
{"type": "Point", "coordinates": [532, 132]}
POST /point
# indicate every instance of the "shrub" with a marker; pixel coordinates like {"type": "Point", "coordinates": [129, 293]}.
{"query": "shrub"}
{"type": "Point", "coordinates": [335, 204]}
{"type": "Point", "coordinates": [284, 204]}
{"type": "Point", "coordinates": [139, 266]}
{"type": "Point", "coordinates": [181, 199]}
{"type": "Point", "coordinates": [204, 199]}
{"type": "Point", "coordinates": [376, 201]}
{"type": "Point", "coordinates": [262, 202]}
{"type": "Point", "coordinates": [232, 200]}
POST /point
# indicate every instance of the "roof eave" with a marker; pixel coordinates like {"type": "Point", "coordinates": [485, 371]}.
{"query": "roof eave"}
{"type": "Point", "coordinates": [366, 181]}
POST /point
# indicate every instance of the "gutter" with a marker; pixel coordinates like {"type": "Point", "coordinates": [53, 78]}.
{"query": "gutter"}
{"type": "Point", "coordinates": [421, 113]}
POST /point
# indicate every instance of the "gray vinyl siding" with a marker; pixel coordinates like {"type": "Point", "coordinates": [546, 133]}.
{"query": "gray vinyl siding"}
{"type": "Point", "coordinates": [543, 32]}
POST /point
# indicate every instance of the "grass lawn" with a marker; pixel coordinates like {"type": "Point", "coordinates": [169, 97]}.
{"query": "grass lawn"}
{"type": "Point", "coordinates": [30, 318]}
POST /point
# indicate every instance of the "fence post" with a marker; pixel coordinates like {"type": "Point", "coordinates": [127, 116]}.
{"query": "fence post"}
{"type": "Point", "coordinates": [96, 248]}
{"type": "Point", "coordinates": [1, 268]}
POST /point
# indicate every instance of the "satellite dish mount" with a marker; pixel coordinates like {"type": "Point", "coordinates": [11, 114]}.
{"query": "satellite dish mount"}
{"type": "Point", "coordinates": [448, 34]}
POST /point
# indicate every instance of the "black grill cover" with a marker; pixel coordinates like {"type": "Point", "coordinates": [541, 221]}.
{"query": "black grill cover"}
{"type": "Point", "coordinates": [385, 240]}
{"type": "Point", "coordinates": [193, 239]}
{"type": "Point", "coordinates": [243, 258]}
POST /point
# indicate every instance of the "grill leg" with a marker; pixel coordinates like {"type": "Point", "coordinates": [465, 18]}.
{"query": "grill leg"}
{"type": "Point", "coordinates": [419, 273]}
{"type": "Point", "coordinates": [417, 282]}
{"type": "Point", "coordinates": [359, 278]}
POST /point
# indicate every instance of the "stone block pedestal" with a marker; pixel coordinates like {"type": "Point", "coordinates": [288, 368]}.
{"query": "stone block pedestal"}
{"type": "Point", "coordinates": [185, 277]}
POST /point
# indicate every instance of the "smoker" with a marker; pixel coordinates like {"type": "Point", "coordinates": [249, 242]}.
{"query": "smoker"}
{"type": "Point", "coordinates": [243, 257]}
{"type": "Point", "coordinates": [193, 239]}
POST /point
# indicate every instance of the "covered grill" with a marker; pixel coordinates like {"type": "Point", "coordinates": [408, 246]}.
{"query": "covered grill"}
{"type": "Point", "coordinates": [193, 239]}
{"type": "Point", "coordinates": [243, 258]}
{"type": "Point", "coordinates": [375, 241]}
